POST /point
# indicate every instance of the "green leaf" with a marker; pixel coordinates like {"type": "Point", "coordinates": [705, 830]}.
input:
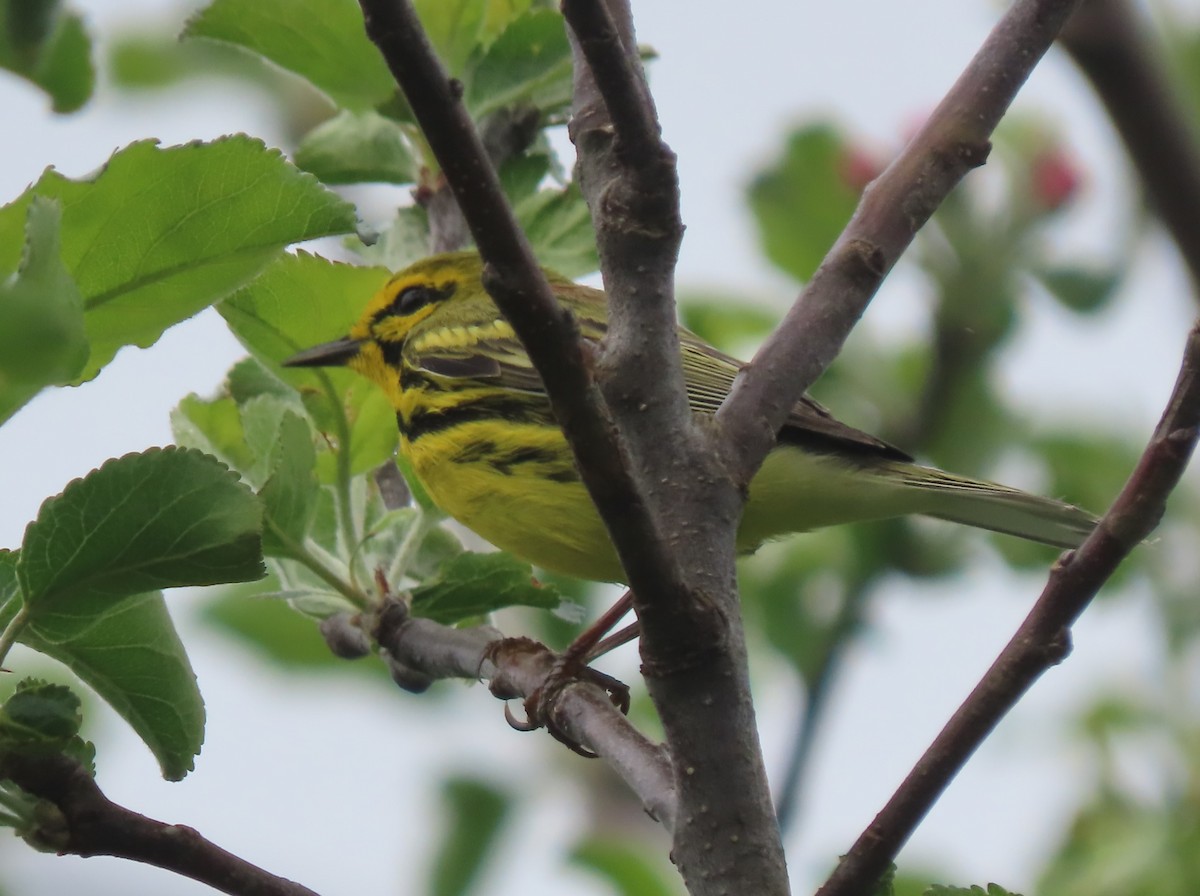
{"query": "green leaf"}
{"type": "Point", "coordinates": [249, 379]}
{"type": "Point", "coordinates": [197, 221]}
{"type": "Point", "coordinates": [300, 301]}
{"type": "Point", "coordinates": [1080, 289]}
{"type": "Point", "coordinates": [476, 812]}
{"type": "Point", "coordinates": [803, 201]}
{"type": "Point", "coordinates": [559, 228]}
{"type": "Point", "coordinates": [626, 865]}
{"type": "Point", "coordinates": [289, 495]}
{"type": "Point", "coordinates": [358, 147]}
{"type": "Point", "coordinates": [471, 584]}
{"type": "Point", "coordinates": [42, 337]}
{"type": "Point", "coordinates": [261, 418]}
{"type": "Point", "coordinates": [128, 652]}
{"type": "Point", "coordinates": [529, 64]}
{"type": "Point", "coordinates": [10, 586]}
{"type": "Point", "coordinates": [213, 426]}
{"type": "Point", "coordinates": [49, 47]}
{"type": "Point", "coordinates": [160, 519]}
{"type": "Point", "coordinates": [992, 890]}
{"type": "Point", "coordinates": [323, 41]}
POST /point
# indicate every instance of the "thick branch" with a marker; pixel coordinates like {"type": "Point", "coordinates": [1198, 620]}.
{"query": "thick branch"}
{"type": "Point", "coordinates": [1108, 41]}
{"type": "Point", "coordinates": [93, 825]}
{"type": "Point", "coordinates": [953, 140]}
{"type": "Point", "coordinates": [1043, 638]}
{"type": "Point", "coordinates": [420, 651]}
{"type": "Point", "coordinates": [692, 644]}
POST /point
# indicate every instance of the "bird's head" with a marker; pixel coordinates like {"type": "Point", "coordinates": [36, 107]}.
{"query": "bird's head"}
{"type": "Point", "coordinates": [374, 345]}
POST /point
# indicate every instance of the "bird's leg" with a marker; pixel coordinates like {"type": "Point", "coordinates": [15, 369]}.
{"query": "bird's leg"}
{"type": "Point", "coordinates": [585, 647]}
{"type": "Point", "coordinates": [572, 665]}
{"type": "Point", "coordinates": [615, 640]}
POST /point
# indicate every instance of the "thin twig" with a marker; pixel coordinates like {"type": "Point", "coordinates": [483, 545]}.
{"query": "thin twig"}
{"type": "Point", "coordinates": [1043, 638]}
{"type": "Point", "coordinates": [952, 141]}
{"type": "Point", "coordinates": [92, 825]}
{"type": "Point", "coordinates": [422, 651]}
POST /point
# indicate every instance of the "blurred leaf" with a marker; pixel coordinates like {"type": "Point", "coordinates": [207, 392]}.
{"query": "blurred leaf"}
{"type": "Point", "coordinates": [625, 865]}
{"type": "Point", "coordinates": [455, 28]}
{"type": "Point", "coordinates": [992, 890]}
{"type": "Point", "coordinates": [471, 584]}
{"type": "Point", "coordinates": [795, 591]}
{"type": "Point", "coordinates": [275, 631]}
{"type": "Point", "coordinates": [42, 337]}
{"type": "Point", "coordinates": [476, 813]}
{"type": "Point", "coordinates": [498, 15]}
{"type": "Point", "coordinates": [529, 64]}
{"type": "Point", "coordinates": [731, 323]}
{"type": "Point", "coordinates": [1087, 467]}
{"type": "Point", "coordinates": [50, 47]}
{"type": "Point", "coordinates": [803, 201]}
{"type": "Point", "coordinates": [358, 147]}
{"type": "Point", "coordinates": [404, 241]}
{"type": "Point", "coordinates": [559, 228]}
{"type": "Point", "coordinates": [1119, 848]}
{"type": "Point", "coordinates": [160, 519]}
{"type": "Point", "coordinates": [199, 220]}
{"type": "Point", "coordinates": [886, 885]}
{"type": "Point", "coordinates": [322, 41]}
{"type": "Point", "coordinates": [521, 175]}
{"type": "Point", "coordinates": [289, 495]}
{"type": "Point", "coordinates": [1078, 288]}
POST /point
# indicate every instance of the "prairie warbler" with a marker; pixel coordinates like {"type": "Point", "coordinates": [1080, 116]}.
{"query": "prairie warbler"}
{"type": "Point", "coordinates": [476, 426]}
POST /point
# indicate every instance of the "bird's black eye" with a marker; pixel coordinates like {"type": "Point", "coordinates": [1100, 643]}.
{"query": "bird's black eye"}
{"type": "Point", "coordinates": [413, 297]}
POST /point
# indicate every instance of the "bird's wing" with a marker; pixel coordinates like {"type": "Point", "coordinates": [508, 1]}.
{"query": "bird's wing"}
{"type": "Point", "coordinates": [710, 375]}
{"type": "Point", "coordinates": [494, 355]}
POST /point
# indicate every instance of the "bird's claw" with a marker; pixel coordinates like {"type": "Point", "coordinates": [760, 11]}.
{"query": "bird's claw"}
{"type": "Point", "coordinates": [539, 706]}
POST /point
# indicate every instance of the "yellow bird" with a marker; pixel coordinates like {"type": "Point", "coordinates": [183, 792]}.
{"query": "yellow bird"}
{"type": "Point", "coordinates": [476, 426]}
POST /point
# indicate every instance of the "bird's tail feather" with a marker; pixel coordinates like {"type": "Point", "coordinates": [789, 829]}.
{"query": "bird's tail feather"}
{"type": "Point", "coordinates": [999, 508]}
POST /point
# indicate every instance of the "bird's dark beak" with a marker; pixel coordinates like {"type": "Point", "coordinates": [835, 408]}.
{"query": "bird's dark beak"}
{"type": "Point", "coordinates": [329, 354]}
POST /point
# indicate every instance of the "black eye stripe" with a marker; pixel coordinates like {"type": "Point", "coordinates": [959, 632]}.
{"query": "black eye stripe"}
{"type": "Point", "coordinates": [415, 297]}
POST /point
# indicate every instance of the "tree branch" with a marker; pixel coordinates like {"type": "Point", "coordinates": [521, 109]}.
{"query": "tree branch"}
{"type": "Point", "coordinates": [952, 141]}
{"type": "Point", "coordinates": [420, 651]}
{"type": "Point", "coordinates": [1109, 43]}
{"type": "Point", "coordinates": [1043, 639]}
{"type": "Point", "coordinates": [692, 644]}
{"type": "Point", "coordinates": [92, 825]}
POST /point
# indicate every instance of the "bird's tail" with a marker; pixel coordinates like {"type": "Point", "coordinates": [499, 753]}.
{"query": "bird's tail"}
{"type": "Point", "coordinates": [998, 508]}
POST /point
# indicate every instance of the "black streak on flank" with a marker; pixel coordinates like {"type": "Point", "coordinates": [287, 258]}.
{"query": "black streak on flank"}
{"type": "Point", "coordinates": [533, 412]}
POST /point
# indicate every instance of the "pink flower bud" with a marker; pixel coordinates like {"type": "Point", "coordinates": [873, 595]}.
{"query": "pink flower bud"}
{"type": "Point", "coordinates": [1054, 178]}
